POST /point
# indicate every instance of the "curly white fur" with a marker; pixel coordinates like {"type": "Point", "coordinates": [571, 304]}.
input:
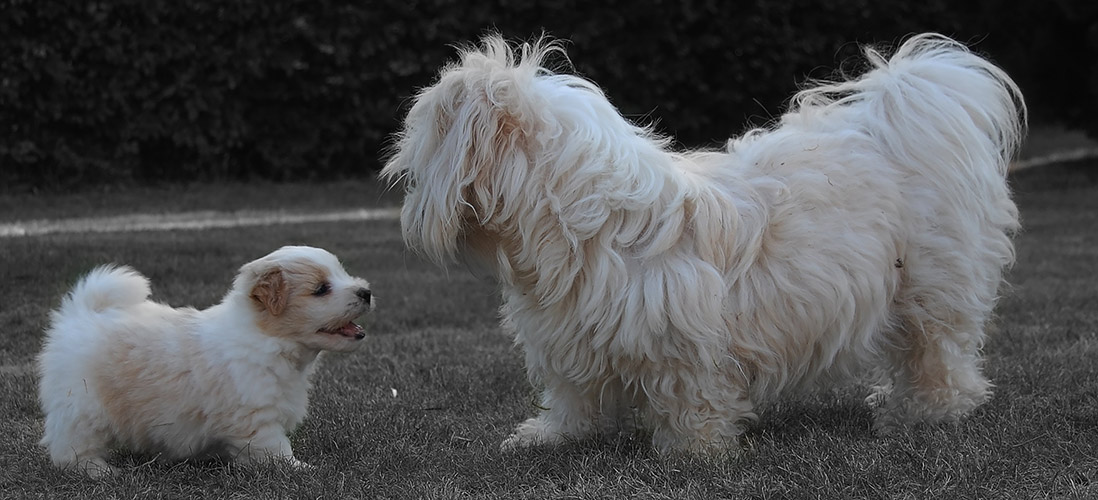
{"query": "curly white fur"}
{"type": "Point", "coordinates": [867, 232]}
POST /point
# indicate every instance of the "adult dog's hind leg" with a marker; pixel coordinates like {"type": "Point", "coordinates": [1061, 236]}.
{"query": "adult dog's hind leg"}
{"type": "Point", "coordinates": [936, 372]}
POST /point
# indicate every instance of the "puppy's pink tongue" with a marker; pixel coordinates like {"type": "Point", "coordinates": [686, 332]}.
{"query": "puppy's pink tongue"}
{"type": "Point", "coordinates": [351, 330]}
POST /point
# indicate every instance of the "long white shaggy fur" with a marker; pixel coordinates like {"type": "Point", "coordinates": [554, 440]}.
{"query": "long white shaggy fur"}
{"type": "Point", "coordinates": [120, 370]}
{"type": "Point", "coordinates": [865, 233]}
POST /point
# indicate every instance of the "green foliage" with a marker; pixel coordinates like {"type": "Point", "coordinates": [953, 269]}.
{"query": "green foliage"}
{"type": "Point", "coordinates": [128, 91]}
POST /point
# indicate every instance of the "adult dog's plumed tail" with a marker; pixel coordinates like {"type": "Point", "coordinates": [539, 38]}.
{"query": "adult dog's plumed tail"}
{"type": "Point", "coordinates": [941, 113]}
{"type": "Point", "coordinates": [106, 287]}
{"type": "Point", "coordinates": [935, 104]}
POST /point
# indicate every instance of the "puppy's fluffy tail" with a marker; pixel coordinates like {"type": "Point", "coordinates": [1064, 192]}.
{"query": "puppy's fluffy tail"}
{"type": "Point", "coordinates": [934, 105]}
{"type": "Point", "coordinates": [104, 288]}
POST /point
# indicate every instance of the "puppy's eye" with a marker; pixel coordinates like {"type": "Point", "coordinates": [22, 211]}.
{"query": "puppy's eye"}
{"type": "Point", "coordinates": [322, 289]}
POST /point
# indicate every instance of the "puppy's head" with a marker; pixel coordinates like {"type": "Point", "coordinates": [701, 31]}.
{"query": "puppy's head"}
{"type": "Point", "coordinates": [304, 294]}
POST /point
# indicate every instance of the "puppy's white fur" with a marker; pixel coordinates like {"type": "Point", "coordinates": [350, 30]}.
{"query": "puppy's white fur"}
{"type": "Point", "coordinates": [867, 232]}
{"type": "Point", "coordinates": [233, 379]}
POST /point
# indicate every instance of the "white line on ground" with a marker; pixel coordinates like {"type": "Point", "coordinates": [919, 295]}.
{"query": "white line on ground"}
{"type": "Point", "coordinates": [1058, 157]}
{"type": "Point", "coordinates": [213, 220]}
{"type": "Point", "coordinates": [187, 221]}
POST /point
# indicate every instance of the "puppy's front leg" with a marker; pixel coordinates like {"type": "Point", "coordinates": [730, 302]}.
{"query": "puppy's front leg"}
{"type": "Point", "coordinates": [567, 412]}
{"type": "Point", "coordinates": [267, 444]}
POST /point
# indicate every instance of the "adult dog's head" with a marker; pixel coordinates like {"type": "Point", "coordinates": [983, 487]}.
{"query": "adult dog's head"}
{"type": "Point", "coordinates": [518, 165]}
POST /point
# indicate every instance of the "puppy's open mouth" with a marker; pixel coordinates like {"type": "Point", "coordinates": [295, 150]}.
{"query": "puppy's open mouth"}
{"type": "Point", "coordinates": [349, 330]}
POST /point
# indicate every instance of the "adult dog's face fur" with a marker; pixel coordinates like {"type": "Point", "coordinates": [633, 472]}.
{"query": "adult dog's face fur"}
{"type": "Point", "coordinates": [305, 295]}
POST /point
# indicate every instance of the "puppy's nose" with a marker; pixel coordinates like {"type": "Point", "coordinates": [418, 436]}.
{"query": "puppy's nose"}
{"type": "Point", "coordinates": [364, 294]}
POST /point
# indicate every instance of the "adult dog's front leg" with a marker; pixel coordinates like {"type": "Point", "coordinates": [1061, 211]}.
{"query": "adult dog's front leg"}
{"type": "Point", "coordinates": [568, 412]}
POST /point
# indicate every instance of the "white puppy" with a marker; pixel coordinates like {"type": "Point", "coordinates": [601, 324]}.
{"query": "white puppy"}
{"type": "Point", "coordinates": [866, 232]}
{"type": "Point", "coordinates": [118, 369]}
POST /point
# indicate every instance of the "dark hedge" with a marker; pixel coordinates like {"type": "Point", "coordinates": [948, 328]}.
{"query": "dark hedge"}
{"type": "Point", "coordinates": [155, 90]}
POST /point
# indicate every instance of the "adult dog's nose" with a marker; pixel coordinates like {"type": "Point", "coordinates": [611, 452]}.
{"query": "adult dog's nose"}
{"type": "Point", "coordinates": [364, 294]}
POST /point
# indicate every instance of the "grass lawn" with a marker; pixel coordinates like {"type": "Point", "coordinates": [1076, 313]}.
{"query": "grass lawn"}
{"type": "Point", "coordinates": [420, 410]}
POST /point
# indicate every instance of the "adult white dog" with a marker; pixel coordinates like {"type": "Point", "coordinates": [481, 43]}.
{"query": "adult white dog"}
{"type": "Point", "coordinates": [118, 369]}
{"type": "Point", "coordinates": [866, 232]}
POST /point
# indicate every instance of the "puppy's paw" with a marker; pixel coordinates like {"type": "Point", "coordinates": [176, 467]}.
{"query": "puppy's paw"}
{"type": "Point", "coordinates": [95, 468]}
{"type": "Point", "coordinates": [298, 464]}
{"type": "Point", "coordinates": [517, 441]}
{"type": "Point", "coordinates": [529, 433]}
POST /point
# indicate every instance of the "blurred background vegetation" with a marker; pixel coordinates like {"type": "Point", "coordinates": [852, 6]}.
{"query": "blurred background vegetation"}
{"type": "Point", "coordinates": [152, 91]}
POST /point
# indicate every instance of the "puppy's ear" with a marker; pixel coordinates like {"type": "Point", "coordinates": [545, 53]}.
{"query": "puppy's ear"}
{"type": "Point", "coordinates": [271, 291]}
